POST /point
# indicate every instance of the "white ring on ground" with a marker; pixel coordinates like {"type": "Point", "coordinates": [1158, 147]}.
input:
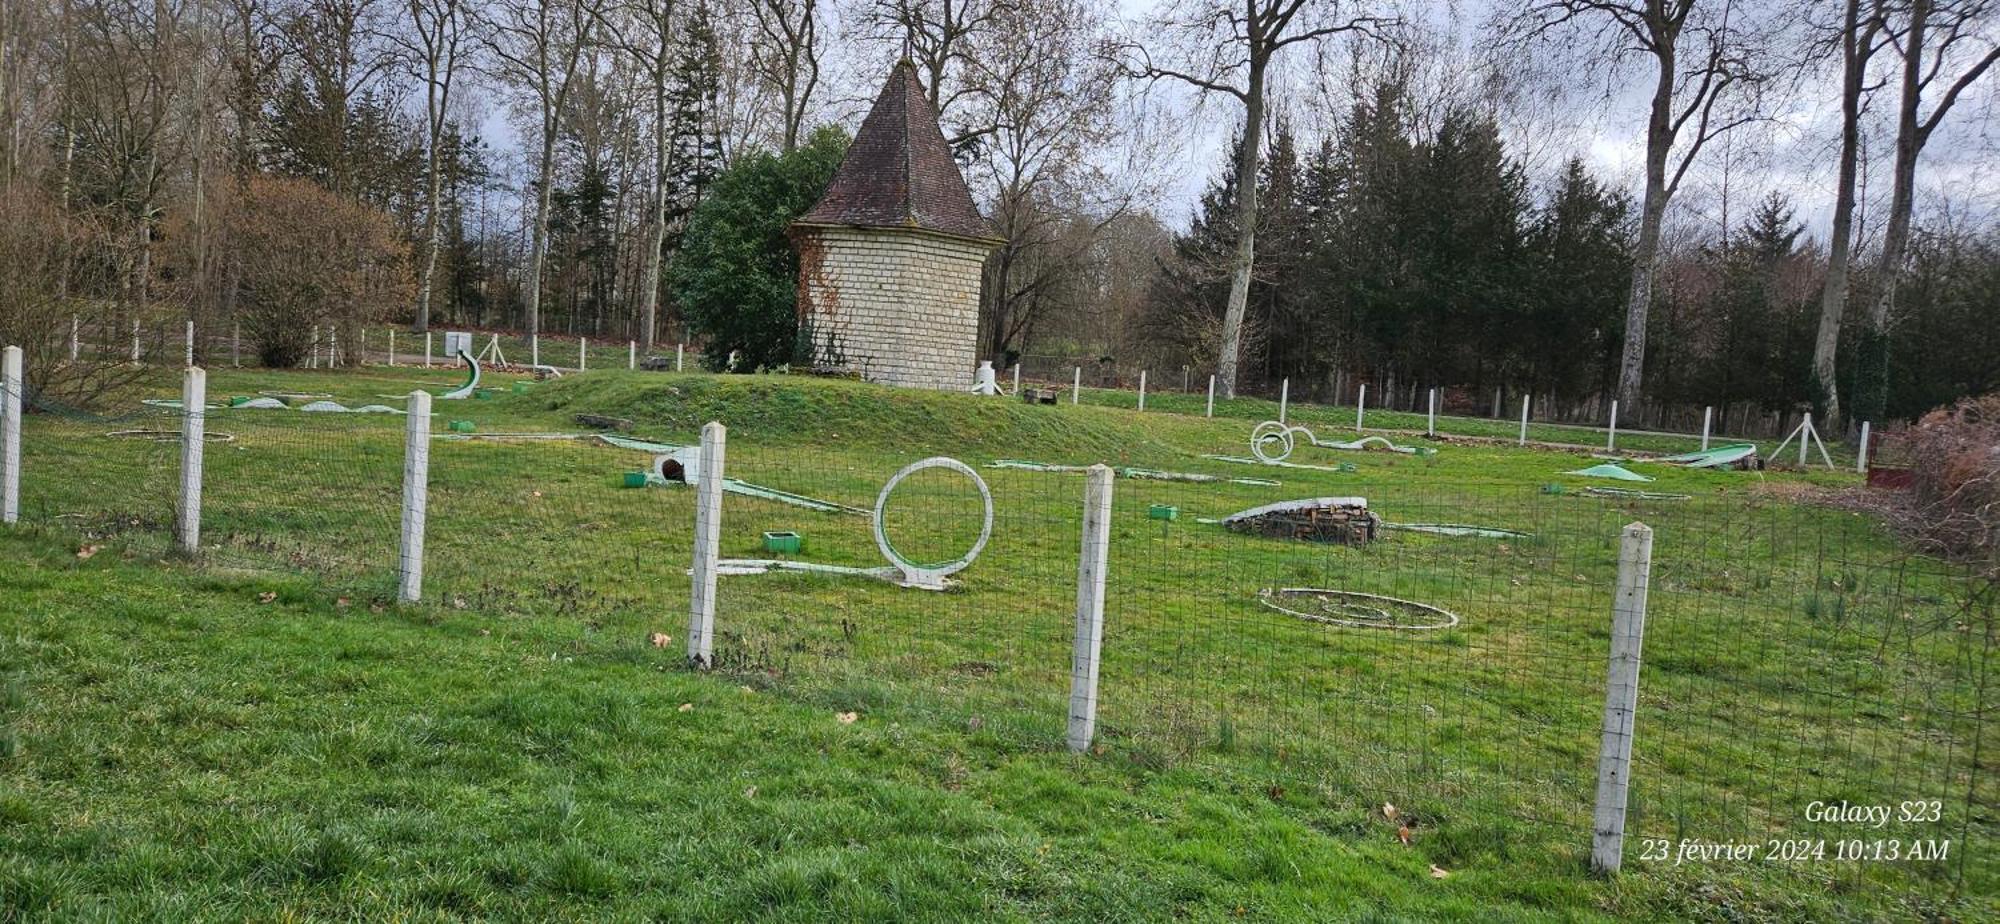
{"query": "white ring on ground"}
{"type": "Point", "coordinates": [1359, 603]}
{"type": "Point", "coordinates": [933, 577]}
{"type": "Point", "coordinates": [1271, 431]}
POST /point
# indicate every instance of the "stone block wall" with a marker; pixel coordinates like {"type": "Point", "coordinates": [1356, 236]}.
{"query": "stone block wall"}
{"type": "Point", "coordinates": [897, 306]}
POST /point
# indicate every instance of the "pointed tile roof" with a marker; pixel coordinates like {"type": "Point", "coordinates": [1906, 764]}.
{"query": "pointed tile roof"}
{"type": "Point", "coordinates": [899, 172]}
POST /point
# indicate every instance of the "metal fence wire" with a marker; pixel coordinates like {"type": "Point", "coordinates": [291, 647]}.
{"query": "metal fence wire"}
{"type": "Point", "coordinates": [1433, 654]}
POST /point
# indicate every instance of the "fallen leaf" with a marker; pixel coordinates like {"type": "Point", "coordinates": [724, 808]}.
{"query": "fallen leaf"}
{"type": "Point", "coordinates": [847, 718]}
{"type": "Point", "coordinates": [536, 493]}
{"type": "Point", "coordinates": [687, 707]}
{"type": "Point", "coordinates": [750, 793]}
{"type": "Point", "coordinates": [1403, 834]}
{"type": "Point", "coordinates": [84, 552]}
{"type": "Point", "coordinates": [1388, 811]}
{"type": "Point", "coordinates": [660, 639]}
{"type": "Point", "coordinates": [267, 596]}
{"type": "Point", "coordinates": [1439, 872]}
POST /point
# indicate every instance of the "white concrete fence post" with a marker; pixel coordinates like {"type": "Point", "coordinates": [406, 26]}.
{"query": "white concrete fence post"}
{"type": "Point", "coordinates": [190, 344]}
{"type": "Point", "coordinates": [1524, 420]}
{"type": "Point", "coordinates": [1431, 412]}
{"type": "Point", "coordinates": [707, 545]}
{"type": "Point", "coordinates": [535, 349]}
{"type": "Point", "coordinates": [1707, 414]}
{"type": "Point", "coordinates": [1090, 569]}
{"type": "Point", "coordinates": [392, 346]}
{"type": "Point", "coordinates": [1076, 386]}
{"type": "Point", "coordinates": [1142, 389]}
{"type": "Point", "coordinates": [1284, 399]}
{"type": "Point", "coordinates": [1611, 434]}
{"type": "Point", "coordinates": [10, 435]}
{"type": "Point", "coordinates": [194, 418]}
{"type": "Point", "coordinates": [1211, 397]}
{"type": "Point", "coordinates": [1621, 697]}
{"type": "Point", "coordinates": [1805, 437]}
{"type": "Point", "coordinates": [416, 498]}
{"type": "Point", "coordinates": [631, 354]}
{"type": "Point", "coordinates": [427, 349]}
{"type": "Point", "coordinates": [1360, 407]}
{"type": "Point", "coordinates": [1861, 458]}
{"type": "Point", "coordinates": [582, 354]}
{"type": "Point", "coordinates": [680, 353]}
{"type": "Point", "coordinates": [1017, 380]}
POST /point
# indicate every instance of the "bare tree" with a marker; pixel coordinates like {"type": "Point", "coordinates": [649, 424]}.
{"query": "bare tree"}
{"type": "Point", "coordinates": [538, 47]}
{"type": "Point", "coordinates": [1858, 37]}
{"type": "Point", "coordinates": [1944, 43]}
{"type": "Point", "coordinates": [785, 56]}
{"type": "Point", "coordinates": [434, 43]}
{"type": "Point", "coordinates": [645, 33]}
{"type": "Point", "coordinates": [1229, 47]}
{"type": "Point", "coordinates": [939, 36]}
{"type": "Point", "coordinates": [1705, 71]}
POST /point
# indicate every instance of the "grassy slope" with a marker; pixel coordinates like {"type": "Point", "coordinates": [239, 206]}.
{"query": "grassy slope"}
{"type": "Point", "coordinates": [543, 770]}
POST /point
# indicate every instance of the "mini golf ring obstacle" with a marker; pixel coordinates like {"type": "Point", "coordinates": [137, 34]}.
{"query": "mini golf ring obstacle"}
{"type": "Point", "coordinates": [931, 577]}
{"type": "Point", "coordinates": [1273, 441]}
{"type": "Point", "coordinates": [902, 571]}
{"type": "Point", "coordinates": [1356, 610]}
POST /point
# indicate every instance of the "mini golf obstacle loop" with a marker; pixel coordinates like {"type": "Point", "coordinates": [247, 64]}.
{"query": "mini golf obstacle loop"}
{"type": "Point", "coordinates": [1273, 441]}
{"type": "Point", "coordinates": [931, 577]}
{"type": "Point", "coordinates": [1355, 610]}
{"type": "Point", "coordinates": [902, 571]}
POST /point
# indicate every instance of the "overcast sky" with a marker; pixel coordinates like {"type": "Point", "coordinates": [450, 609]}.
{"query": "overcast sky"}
{"type": "Point", "coordinates": [1596, 114]}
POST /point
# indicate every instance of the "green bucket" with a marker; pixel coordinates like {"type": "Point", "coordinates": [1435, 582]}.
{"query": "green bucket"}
{"type": "Point", "coordinates": [783, 543]}
{"type": "Point", "coordinates": [635, 479]}
{"type": "Point", "coordinates": [1163, 512]}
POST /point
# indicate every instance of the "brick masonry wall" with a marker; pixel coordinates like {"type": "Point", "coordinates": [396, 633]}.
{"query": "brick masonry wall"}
{"type": "Point", "coordinates": [900, 307]}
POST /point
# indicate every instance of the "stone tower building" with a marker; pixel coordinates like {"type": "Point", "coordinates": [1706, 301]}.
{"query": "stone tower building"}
{"type": "Point", "coordinates": [891, 258]}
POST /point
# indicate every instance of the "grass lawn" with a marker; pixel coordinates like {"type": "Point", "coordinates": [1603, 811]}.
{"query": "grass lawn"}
{"type": "Point", "coordinates": [259, 734]}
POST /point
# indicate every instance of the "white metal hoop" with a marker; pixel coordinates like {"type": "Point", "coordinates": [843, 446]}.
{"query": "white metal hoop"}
{"type": "Point", "coordinates": [1272, 431]}
{"type": "Point", "coordinates": [916, 575]}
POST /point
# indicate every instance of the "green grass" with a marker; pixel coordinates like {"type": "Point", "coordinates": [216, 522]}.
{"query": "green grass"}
{"type": "Point", "coordinates": [515, 748]}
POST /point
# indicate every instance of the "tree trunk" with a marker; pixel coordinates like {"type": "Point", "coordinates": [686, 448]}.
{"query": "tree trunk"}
{"type": "Point", "coordinates": [1872, 385]}
{"type": "Point", "coordinates": [1833, 298]}
{"type": "Point", "coordinates": [1246, 231]}
{"type": "Point", "coordinates": [434, 230]}
{"type": "Point", "coordinates": [539, 235]}
{"type": "Point", "coordinates": [1659, 141]}
{"type": "Point", "coordinates": [656, 229]}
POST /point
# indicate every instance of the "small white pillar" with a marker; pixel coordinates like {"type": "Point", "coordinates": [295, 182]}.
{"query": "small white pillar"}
{"type": "Point", "coordinates": [1621, 697]}
{"type": "Point", "coordinates": [707, 545]}
{"type": "Point", "coordinates": [1142, 389]}
{"type": "Point", "coordinates": [1861, 458]}
{"type": "Point", "coordinates": [1707, 413]}
{"type": "Point", "coordinates": [1076, 386]}
{"type": "Point", "coordinates": [1211, 397]}
{"type": "Point", "coordinates": [1611, 434]}
{"type": "Point", "coordinates": [1360, 407]}
{"type": "Point", "coordinates": [582, 353]}
{"type": "Point", "coordinates": [1805, 437]}
{"type": "Point", "coordinates": [416, 497]}
{"type": "Point", "coordinates": [1017, 380]}
{"type": "Point", "coordinates": [1090, 568]}
{"type": "Point", "coordinates": [535, 349]}
{"type": "Point", "coordinates": [10, 435]}
{"type": "Point", "coordinates": [631, 354]}
{"type": "Point", "coordinates": [190, 344]}
{"type": "Point", "coordinates": [680, 353]}
{"type": "Point", "coordinates": [1431, 412]}
{"type": "Point", "coordinates": [427, 349]}
{"type": "Point", "coordinates": [1284, 398]}
{"type": "Point", "coordinates": [1524, 420]}
{"type": "Point", "coordinates": [392, 346]}
{"type": "Point", "coordinates": [194, 413]}
{"type": "Point", "coordinates": [135, 340]}
{"type": "Point", "coordinates": [236, 344]}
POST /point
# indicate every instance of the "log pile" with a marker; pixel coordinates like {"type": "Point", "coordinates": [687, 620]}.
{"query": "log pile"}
{"type": "Point", "coordinates": [1318, 520]}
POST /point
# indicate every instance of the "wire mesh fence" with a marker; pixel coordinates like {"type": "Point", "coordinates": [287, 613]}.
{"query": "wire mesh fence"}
{"type": "Point", "coordinates": [1438, 648]}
